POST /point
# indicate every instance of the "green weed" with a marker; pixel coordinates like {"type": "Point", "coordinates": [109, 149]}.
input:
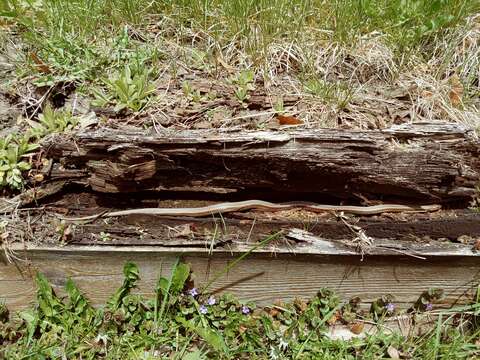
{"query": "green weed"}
{"type": "Point", "coordinates": [126, 90]}
{"type": "Point", "coordinates": [191, 93]}
{"type": "Point", "coordinates": [245, 83]}
{"type": "Point", "coordinates": [258, 23]}
{"type": "Point", "coordinates": [279, 107]}
{"type": "Point", "coordinates": [74, 38]}
{"type": "Point", "coordinates": [13, 149]}
{"type": "Point", "coordinates": [182, 323]}
{"type": "Point", "coordinates": [16, 147]}
{"type": "Point", "coordinates": [52, 121]}
{"type": "Point", "coordinates": [337, 93]}
{"type": "Point", "coordinates": [83, 41]}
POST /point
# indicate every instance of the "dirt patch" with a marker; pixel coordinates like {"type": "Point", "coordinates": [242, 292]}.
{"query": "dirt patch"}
{"type": "Point", "coordinates": [8, 114]}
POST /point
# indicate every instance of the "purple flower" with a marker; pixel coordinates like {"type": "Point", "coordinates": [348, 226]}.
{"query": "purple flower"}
{"type": "Point", "coordinates": [390, 307]}
{"type": "Point", "coordinates": [193, 292]}
{"type": "Point", "coordinates": [211, 301]}
{"type": "Point", "coordinates": [429, 307]}
{"type": "Point", "coordinates": [203, 309]}
{"type": "Point", "coordinates": [245, 310]}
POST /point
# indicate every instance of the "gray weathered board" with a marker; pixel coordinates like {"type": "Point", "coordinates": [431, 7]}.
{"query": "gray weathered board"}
{"type": "Point", "coordinates": [262, 277]}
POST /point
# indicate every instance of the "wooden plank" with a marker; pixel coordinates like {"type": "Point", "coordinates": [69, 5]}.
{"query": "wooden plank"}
{"type": "Point", "coordinates": [261, 277]}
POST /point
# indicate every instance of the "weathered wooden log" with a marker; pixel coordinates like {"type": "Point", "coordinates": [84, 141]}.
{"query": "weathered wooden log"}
{"type": "Point", "coordinates": [426, 162]}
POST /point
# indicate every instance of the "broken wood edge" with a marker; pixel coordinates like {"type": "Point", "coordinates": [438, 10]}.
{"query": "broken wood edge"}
{"type": "Point", "coordinates": [30, 196]}
{"type": "Point", "coordinates": [457, 231]}
{"type": "Point", "coordinates": [412, 130]}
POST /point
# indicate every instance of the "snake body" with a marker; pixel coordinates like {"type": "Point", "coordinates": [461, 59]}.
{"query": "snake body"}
{"type": "Point", "coordinates": [227, 207]}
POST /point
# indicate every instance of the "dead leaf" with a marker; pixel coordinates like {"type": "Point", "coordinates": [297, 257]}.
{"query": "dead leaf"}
{"type": "Point", "coordinates": [38, 177]}
{"type": "Point", "coordinates": [334, 318]}
{"type": "Point", "coordinates": [476, 246]}
{"type": "Point", "coordinates": [226, 66]}
{"type": "Point", "coordinates": [393, 353]}
{"type": "Point", "coordinates": [40, 64]}
{"type": "Point", "coordinates": [357, 327]}
{"type": "Point", "coordinates": [300, 304]}
{"type": "Point", "coordinates": [288, 120]}
{"type": "Point", "coordinates": [279, 303]}
{"type": "Point", "coordinates": [456, 91]}
{"type": "Point", "coordinates": [273, 312]}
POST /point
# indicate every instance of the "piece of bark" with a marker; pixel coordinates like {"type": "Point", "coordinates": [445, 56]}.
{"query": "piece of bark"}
{"type": "Point", "coordinates": [30, 196]}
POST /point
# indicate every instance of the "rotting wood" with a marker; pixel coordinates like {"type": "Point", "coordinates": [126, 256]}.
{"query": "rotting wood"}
{"type": "Point", "coordinates": [263, 278]}
{"type": "Point", "coordinates": [457, 231]}
{"type": "Point", "coordinates": [31, 196]}
{"type": "Point", "coordinates": [415, 234]}
{"type": "Point", "coordinates": [412, 163]}
{"type": "Point", "coordinates": [451, 225]}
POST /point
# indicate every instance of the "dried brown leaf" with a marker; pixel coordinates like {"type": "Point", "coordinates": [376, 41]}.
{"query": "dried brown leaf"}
{"type": "Point", "coordinates": [41, 66]}
{"type": "Point", "coordinates": [335, 317]}
{"type": "Point", "coordinates": [356, 327]}
{"type": "Point", "coordinates": [273, 312]}
{"type": "Point", "coordinates": [38, 177]}
{"type": "Point", "coordinates": [476, 246]}
{"type": "Point", "coordinates": [456, 91]}
{"type": "Point", "coordinates": [300, 304]}
{"type": "Point", "coordinates": [288, 120]}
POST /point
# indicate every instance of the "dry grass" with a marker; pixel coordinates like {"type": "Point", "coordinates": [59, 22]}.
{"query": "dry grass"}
{"type": "Point", "coordinates": [354, 67]}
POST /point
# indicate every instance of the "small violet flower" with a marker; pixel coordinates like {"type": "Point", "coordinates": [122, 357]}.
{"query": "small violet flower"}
{"type": "Point", "coordinates": [245, 310]}
{"type": "Point", "coordinates": [390, 307]}
{"type": "Point", "coordinates": [193, 292]}
{"type": "Point", "coordinates": [211, 301]}
{"type": "Point", "coordinates": [203, 309]}
{"type": "Point", "coordinates": [429, 307]}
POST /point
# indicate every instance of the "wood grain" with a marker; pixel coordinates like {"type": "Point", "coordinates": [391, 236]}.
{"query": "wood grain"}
{"type": "Point", "coordinates": [262, 278]}
{"type": "Point", "coordinates": [415, 232]}
{"type": "Point", "coordinates": [432, 162]}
